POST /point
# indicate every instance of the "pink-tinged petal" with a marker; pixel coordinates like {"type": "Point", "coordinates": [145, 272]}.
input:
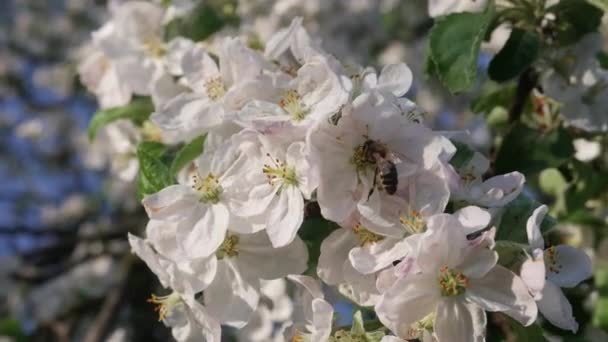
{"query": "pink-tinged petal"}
{"type": "Point", "coordinates": [231, 298]}
{"type": "Point", "coordinates": [571, 266]}
{"type": "Point", "coordinates": [509, 186]}
{"type": "Point", "coordinates": [362, 287]}
{"type": "Point", "coordinates": [334, 252]}
{"type": "Point", "coordinates": [503, 291]}
{"type": "Point", "coordinates": [479, 262]}
{"type": "Point", "coordinates": [535, 237]}
{"type": "Point", "coordinates": [473, 218]}
{"type": "Point", "coordinates": [322, 319]}
{"type": "Point", "coordinates": [386, 278]}
{"type": "Point", "coordinates": [376, 256]}
{"type": "Point", "coordinates": [395, 78]}
{"type": "Point", "coordinates": [173, 203]}
{"type": "Point", "coordinates": [454, 321]}
{"type": "Point", "coordinates": [286, 217]}
{"type": "Point", "coordinates": [556, 309]}
{"type": "Point", "coordinates": [442, 230]}
{"type": "Point", "coordinates": [202, 236]}
{"type": "Point", "coordinates": [312, 286]}
{"type": "Point", "coordinates": [533, 273]}
{"type": "Point", "coordinates": [408, 301]}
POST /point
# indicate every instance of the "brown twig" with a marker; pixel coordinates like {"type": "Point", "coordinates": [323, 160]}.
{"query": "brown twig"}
{"type": "Point", "coordinates": [526, 83]}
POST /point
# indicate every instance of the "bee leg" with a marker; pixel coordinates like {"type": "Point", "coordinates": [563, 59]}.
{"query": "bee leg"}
{"type": "Point", "coordinates": [371, 191]}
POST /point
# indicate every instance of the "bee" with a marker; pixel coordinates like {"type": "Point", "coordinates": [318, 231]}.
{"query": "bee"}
{"type": "Point", "coordinates": [386, 171]}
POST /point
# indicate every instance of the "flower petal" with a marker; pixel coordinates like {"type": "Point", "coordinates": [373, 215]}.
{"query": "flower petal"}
{"type": "Point", "coordinates": [408, 301]}
{"type": "Point", "coordinates": [395, 78]}
{"type": "Point", "coordinates": [231, 298]}
{"type": "Point", "coordinates": [473, 218]}
{"type": "Point", "coordinates": [556, 309]}
{"type": "Point", "coordinates": [502, 290]}
{"type": "Point", "coordinates": [574, 266]}
{"type": "Point", "coordinates": [173, 203]}
{"type": "Point", "coordinates": [202, 235]}
{"type": "Point", "coordinates": [535, 237]}
{"type": "Point", "coordinates": [286, 217]}
{"type": "Point", "coordinates": [334, 251]}
{"type": "Point", "coordinates": [533, 273]}
{"type": "Point", "coordinates": [454, 321]}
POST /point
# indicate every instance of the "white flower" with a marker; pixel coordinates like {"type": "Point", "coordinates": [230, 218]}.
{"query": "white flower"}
{"type": "Point", "coordinates": [291, 47]}
{"type": "Point", "coordinates": [453, 281]}
{"type": "Point", "coordinates": [174, 269]}
{"type": "Point", "coordinates": [346, 162]}
{"type": "Point", "coordinates": [100, 76]}
{"type": "Point", "coordinates": [317, 90]}
{"type": "Point", "coordinates": [243, 260]}
{"type": "Point", "coordinates": [394, 78]}
{"type": "Point", "coordinates": [439, 8]}
{"type": "Point", "coordinates": [580, 84]}
{"type": "Point", "coordinates": [552, 268]}
{"type": "Point", "coordinates": [200, 204]}
{"type": "Point", "coordinates": [118, 141]}
{"type": "Point", "coordinates": [586, 150]}
{"type": "Point", "coordinates": [216, 90]}
{"type": "Point", "coordinates": [316, 317]}
{"type": "Point", "coordinates": [189, 320]}
{"type": "Point", "coordinates": [280, 178]}
{"type": "Point", "coordinates": [467, 184]}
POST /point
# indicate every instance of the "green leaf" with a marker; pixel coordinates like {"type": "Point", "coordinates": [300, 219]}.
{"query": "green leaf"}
{"type": "Point", "coordinates": [526, 150]}
{"type": "Point", "coordinates": [488, 101]}
{"type": "Point", "coordinates": [154, 173]}
{"type": "Point", "coordinates": [519, 52]}
{"type": "Point", "coordinates": [138, 111]}
{"type": "Point", "coordinates": [601, 4]}
{"type": "Point", "coordinates": [602, 58]}
{"type": "Point", "coordinates": [454, 48]}
{"type": "Point", "coordinates": [10, 327]}
{"type": "Point", "coordinates": [188, 153]}
{"type": "Point", "coordinates": [600, 314]}
{"type": "Point", "coordinates": [511, 254]}
{"type": "Point", "coordinates": [574, 19]}
{"type": "Point", "coordinates": [514, 217]}
{"type": "Point", "coordinates": [587, 183]}
{"type": "Point", "coordinates": [464, 154]}
{"type": "Point", "coordinates": [203, 21]}
{"type": "Point", "coordinates": [531, 333]}
{"type": "Point", "coordinates": [313, 231]}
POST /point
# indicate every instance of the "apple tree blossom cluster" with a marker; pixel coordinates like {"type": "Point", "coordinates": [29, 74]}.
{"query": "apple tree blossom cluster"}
{"type": "Point", "coordinates": [241, 148]}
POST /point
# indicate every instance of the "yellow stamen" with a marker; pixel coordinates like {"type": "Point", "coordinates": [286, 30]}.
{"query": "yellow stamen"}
{"type": "Point", "coordinates": [208, 187]}
{"type": "Point", "coordinates": [164, 304]}
{"type": "Point", "coordinates": [229, 248]}
{"type": "Point", "coordinates": [365, 236]}
{"type": "Point", "coordinates": [452, 282]}
{"type": "Point", "coordinates": [279, 172]}
{"type": "Point", "coordinates": [215, 88]}
{"type": "Point", "coordinates": [292, 104]}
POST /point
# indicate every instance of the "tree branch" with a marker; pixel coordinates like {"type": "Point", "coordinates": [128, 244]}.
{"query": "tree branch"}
{"type": "Point", "coordinates": [526, 83]}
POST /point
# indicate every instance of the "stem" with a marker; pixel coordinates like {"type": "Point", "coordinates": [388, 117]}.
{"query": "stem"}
{"type": "Point", "coordinates": [526, 83]}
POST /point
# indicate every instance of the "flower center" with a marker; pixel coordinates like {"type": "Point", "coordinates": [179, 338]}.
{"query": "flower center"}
{"type": "Point", "coordinates": [298, 336]}
{"type": "Point", "coordinates": [346, 336]}
{"type": "Point", "coordinates": [154, 46]}
{"type": "Point", "coordinates": [365, 236]}
{"type": "Point", "coordinates": [279, 172]}
{"type": "Point", "coordinates": [164, 304]}
{"type": "Point", "coordinates": [215, 88]}
{"type": "Point", "coordinates": [551, 260]}
{"type": "Point", "coordinates": [151, 132]}
{"type": "Point", "coordinates": [292, 104]}
{"type": "Point", "coordinates": [229, 248]}
{"type": "Point", "coordinates": [209, 188]}
{"type": "Point", "coordinates": [413, 222]}
{"type": "Point", "coordinates": [452, 282]}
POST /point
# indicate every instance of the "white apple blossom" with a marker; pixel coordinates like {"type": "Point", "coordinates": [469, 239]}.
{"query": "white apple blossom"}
{"type": "Point", "coordinates": [200, 203]}
{"type": "Point", "coordinates": [172, 267]}
{"type": "Point", "coordinates": [549, 269]}
{"type": "Point", "coordinates": [117, 142]}
{"type": "Point", "coordinates": [216, 90]}
{"type": "Point", "coordinates": [467, 185]}
{"type": "Point", "coordinates": [346, 167]}
{"type": "Point", "coordinates": [580, 84]}
{"type": "Point", "coordinates": [243, 261]}
{"type": "Point", "coordinates": [452, 282]}
{"type": "Point", "coordinates": [439, 8]}
{"type": "Point", "coordinates": [280, 178]}
{"type": "Point", "coordinates": [315, 316]}
{"type": "Point", "coordinates": [586, 150]}
{"type": "Point", "coordinates": [189, 320]}
{"type": "Point", "coordinates": [394, 78]}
